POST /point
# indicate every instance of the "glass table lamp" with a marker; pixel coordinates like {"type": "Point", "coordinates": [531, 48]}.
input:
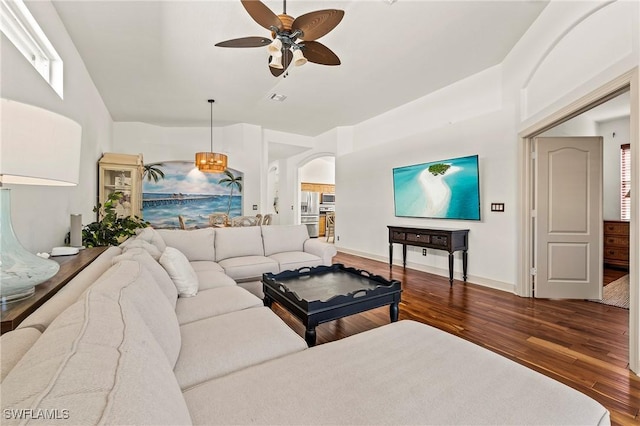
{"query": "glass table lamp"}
{"type": "Point", "coordinates": [39, 147]}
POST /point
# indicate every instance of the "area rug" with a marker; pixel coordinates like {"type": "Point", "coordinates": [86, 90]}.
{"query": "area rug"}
{"type": "Point", "coordinates": [616, 293]}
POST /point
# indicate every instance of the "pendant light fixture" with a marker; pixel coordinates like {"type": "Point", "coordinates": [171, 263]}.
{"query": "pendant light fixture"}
{"type": "Point", "coordinates": [211, 162]}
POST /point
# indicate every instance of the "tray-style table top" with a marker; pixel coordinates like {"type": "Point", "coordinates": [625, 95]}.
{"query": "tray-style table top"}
{"type": "Point", "coordinates": [323, 286]}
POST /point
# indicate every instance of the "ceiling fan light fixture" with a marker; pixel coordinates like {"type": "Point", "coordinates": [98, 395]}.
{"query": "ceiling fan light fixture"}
{"type": "Point", "coordinates": [276, 62]}
{"type": "Point", "coordinates": [298, 58]}
{"type": "Point", "coordinates": [211, 162]}
{"type": "Point", "coordinates": [275, 48]}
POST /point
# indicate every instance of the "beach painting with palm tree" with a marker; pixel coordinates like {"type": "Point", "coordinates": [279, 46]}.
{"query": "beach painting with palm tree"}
{"type": "Point", "coordinates": [182, 190]}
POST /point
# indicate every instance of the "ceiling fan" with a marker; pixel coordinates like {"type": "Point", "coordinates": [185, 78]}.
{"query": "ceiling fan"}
{"type": "Point", "coordinates": [292, 39]}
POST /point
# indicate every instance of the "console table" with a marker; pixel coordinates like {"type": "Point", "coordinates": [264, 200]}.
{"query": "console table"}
{"type": "Point", "coordinates": [450, 240]}
{"type": "Point", "coordinates": [13, 313]}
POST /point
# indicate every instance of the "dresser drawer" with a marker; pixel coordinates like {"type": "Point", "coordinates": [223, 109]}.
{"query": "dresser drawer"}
{"type": "Point", "coordinates": [440, 240]}
{"type": "Point", "coordinates": [615, 240]}
{"type": "Point", "coordinates": [398, 236]}
{"type": "Point", "coordinates": [616, 253]}
{"type": "Point", "coordinates": [617, 228]}
{"type": "Point", "coordinates": [419, 238]}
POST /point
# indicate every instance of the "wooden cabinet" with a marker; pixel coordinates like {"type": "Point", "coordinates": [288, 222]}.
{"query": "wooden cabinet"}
{"type": "Point", "coordinates": [323, 188]}
{"type": "Point", "coordinates": [616, 243]}
{"type": "Point", "coordinates": [121, 173]}
{"type": "Point", "coordinates": [322, 225]}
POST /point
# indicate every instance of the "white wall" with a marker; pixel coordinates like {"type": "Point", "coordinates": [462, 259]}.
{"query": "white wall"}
{"type": "Point", "coordinates": [482, 115]}
{"type": "Point", "coordinates": [615, 133]}
{"type": "Point", "coordinates": [241, 142]}
{"type": "Point", "coordinates": [40, 215]}
{"type": "Point", "coordinates": [319, 170]}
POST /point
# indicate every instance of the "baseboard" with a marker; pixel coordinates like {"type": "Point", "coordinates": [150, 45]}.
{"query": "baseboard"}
{"type": "Point", "coordinates": [473, 279]}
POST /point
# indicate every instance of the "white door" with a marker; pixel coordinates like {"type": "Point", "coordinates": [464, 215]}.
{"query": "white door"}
{"type": "Point", "coordinates": [568, 217]}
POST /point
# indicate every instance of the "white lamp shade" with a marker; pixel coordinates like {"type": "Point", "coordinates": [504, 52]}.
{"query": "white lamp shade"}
{"type": "Point", "coordinates": [275, 48]}
{"type": "Point", "coordinates": [276, 62]}
{"type": "Point", "coordinates": [298, 58]}
{"type": "Point", "coordinates": [39, 147]}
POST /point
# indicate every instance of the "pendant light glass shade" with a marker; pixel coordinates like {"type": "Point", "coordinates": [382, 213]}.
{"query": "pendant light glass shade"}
{"type": "Point", "coordinates": [211, 162]}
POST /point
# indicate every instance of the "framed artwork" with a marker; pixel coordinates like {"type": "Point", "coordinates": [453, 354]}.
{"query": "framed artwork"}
{"type": "Point", "coordinates": [186, 191]}
{"type": "Point", "coordinates": [447, 189]}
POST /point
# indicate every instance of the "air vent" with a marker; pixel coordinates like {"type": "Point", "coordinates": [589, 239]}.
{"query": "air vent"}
{"type": "Point", "coordinates": [276, 97]}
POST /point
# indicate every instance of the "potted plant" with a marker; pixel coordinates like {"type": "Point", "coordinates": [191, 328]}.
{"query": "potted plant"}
{"type": "Point", "coordinates": [111, 230]}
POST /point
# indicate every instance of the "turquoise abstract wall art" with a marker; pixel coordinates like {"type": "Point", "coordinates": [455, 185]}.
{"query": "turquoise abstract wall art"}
{"type": "Point", "coordinates": [446, 189]}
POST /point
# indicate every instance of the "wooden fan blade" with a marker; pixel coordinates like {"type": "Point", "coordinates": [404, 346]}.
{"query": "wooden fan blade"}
{"type": "Point", "coordinates": [318, 53]}
{"type": "Point", "coordinates": [246, 42]}
{"type": "Point", "coordinates": [316, 24]}
{"type": "Point", "coordinates": [262, 14]}
{"type": "Point", "coordinates": [287, 57]}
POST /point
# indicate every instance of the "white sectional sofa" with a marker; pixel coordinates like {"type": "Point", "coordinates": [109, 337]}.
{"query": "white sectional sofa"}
{"type": "Point", "coordinates": [118, 346]}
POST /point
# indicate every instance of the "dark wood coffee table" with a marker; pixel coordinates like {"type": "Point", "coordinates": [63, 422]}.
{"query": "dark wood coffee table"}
{"type": "Point", "coordinates": [326, 293]}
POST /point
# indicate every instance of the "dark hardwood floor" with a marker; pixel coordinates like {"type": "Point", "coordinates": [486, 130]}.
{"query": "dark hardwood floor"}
{"type": "Point", "coordinates": [579, 343]}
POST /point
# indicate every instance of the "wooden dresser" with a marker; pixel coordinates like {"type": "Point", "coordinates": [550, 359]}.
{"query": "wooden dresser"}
{"type": "Point", "coordinates": [616, 243]}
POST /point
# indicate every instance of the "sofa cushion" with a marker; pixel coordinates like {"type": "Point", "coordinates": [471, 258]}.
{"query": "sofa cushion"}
{"type": "Point", "coordinates": [70, 293]}
{"type": "Point", "coordinates": [402, 373]}
{"type": "Point", "coordinates": [130, 282]}
{"type": "Point", "coordinates": [283, 238]}
{"type": "Point", "coordinates": [195, 244]}
{"type": "Point", "coordinates": [205, 265]}
{"type": "Point", "coordinates": [160, 276]}
{"type": "Point", "coordinates": [295, 259]}
{"type": "Point", "coordinates": [238, 242]}
{"type": "Point", "coordinates": [13, 346]}
{"type": "Point", "coordinates": [214, 302]}
{"type": "Point", "coordinates": [213, 279]}
{"type": "Point", "coordinates": [220, 345]}
{"type": "Point", "coordinates": [134, 243]}
{"type": "Point", "coordinates": [247, 267]}
{"type": "Point", "coordinates": [150, 235]}
{"type": "Point", "coordinates": [99, 363]}
{"type": "Point", "coordinates": [180, 271]}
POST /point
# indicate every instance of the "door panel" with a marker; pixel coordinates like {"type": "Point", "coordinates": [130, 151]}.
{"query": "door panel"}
{"type": "Point", "coordinates": [568, 224]}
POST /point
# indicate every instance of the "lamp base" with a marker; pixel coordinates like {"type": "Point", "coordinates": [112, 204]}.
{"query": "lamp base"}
{"type": "Point", "coordinates": [23, 294]}
{"type": "Point", "coordinates": [20, 270]}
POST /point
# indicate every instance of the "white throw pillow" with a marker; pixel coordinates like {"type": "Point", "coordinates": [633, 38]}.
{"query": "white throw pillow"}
{"type": "Point", "coordinates": [151, 236]}
{"type": "Point", "coordinates": [142, 244]}
{"type": "Point", "coordinates": [180, 271]}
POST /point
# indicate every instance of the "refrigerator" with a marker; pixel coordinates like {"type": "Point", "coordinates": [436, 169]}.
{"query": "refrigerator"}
{"type": "Point", "coordinates": [310, 211]}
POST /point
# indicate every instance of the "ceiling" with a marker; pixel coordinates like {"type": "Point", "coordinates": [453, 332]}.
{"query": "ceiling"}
{"type": "Point", "coordinates": [155, 61]}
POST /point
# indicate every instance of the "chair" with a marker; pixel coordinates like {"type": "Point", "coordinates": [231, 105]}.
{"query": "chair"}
{"type": "Point", "coordinates": [267, 219]}
{"type": "Point", "coordinates": [181, 222]}
{"type": "Point", "coordinates": [259, 219]}
{"type": "Point", "coordinates": [218, 220]}
{"type": "Point", "coordinates": [330, 226]}
{"type": "Point", "coordinates": [244, 221]}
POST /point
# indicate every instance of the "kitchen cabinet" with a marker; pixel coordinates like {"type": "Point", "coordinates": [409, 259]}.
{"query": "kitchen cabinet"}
{"type": "Point", "coordinates": [322, 225]}
{"type": "Point", "coordinates": [121, 173]}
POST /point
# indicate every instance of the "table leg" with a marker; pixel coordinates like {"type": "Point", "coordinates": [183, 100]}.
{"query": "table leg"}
{"type": "Point", "coordinates": [451, 269]}
{"type": "Point", "coordinates": [310, 336]}
{"type": "Point", "coordinates": [267, 301]}
{"type": "Point", "coordinates": [404, 255]}
{"type": "Point", "coordinates": [393, 311]}
{"type": "Point", "coordinates": [390, 255]}
{"type": "Point", "coordinates": [464, 265]}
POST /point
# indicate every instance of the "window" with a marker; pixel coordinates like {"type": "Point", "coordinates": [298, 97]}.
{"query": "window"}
{"type": "Point", "coordinates": [19, 26]}
{"type": "Point", "coordinates": [625, 181]}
